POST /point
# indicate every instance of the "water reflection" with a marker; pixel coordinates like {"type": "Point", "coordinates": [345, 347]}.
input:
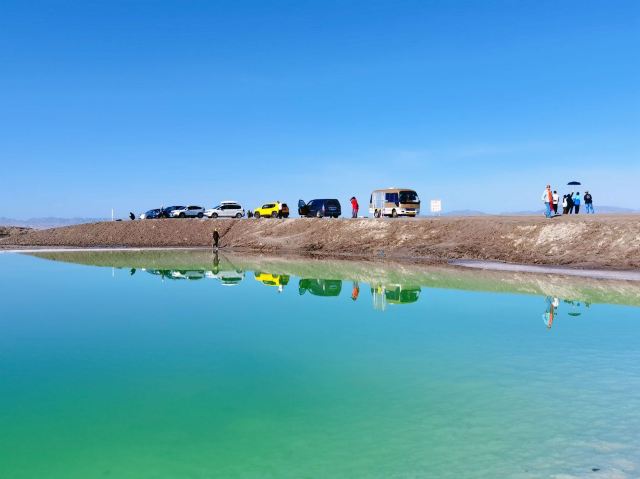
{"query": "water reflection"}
{"type": "Point", "coordinates": [320, 287]}
{"type": "Point", "coordinates": [269, 279]}
{"type": "Point", "coordinates": [552, 310]}
{"type": "Point", "coordinates": [389, 284]}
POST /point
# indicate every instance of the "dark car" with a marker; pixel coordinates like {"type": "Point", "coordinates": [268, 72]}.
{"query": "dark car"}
{"type": "Point", "coordinates": [320, 287]}
{"type": "Point", "coordinates": [320, 208]}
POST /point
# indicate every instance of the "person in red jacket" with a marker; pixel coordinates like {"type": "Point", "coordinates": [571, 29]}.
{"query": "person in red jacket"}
{"type": "Point", "coordinates": [354, 207]}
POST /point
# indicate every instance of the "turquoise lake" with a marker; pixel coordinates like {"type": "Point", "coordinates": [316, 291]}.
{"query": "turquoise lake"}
{"type": "Point", "coordinates": [188, 365]}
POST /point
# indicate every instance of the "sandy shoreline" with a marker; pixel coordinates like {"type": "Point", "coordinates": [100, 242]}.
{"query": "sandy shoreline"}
{"type": "Point", "coordinates": [597, 243]}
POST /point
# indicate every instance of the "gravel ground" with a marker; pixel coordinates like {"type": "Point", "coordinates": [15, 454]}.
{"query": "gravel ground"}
{"type": "Point", "coordinates": [599, 241]}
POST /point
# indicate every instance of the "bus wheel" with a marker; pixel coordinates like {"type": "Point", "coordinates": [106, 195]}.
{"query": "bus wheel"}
{"type": "Point", "coordinates": [394, 213]}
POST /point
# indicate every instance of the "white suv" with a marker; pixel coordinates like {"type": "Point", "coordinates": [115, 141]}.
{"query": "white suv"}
{"type": "Point", "coordinates": [226, 209]}
{"type": "Point", "coordinates": [188, 212]}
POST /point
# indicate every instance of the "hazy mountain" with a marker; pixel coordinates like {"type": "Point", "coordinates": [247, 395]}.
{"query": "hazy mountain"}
{"type": "Point", "coordinates": [48, 222]}
{"type": "Point", "coordinates": [464, 213]}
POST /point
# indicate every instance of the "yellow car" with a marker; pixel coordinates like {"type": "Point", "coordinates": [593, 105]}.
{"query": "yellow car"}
{"type": "Point", "coordinates": [279, 280]}
{"type": "Point", "coordinates": [272, 210]}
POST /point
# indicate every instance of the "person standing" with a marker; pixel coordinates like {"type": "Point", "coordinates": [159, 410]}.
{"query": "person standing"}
{"type": "Point", "coordinates": [588, 203]}
{"type": "Point", "coordinates": [576, 203]}
{"type": "Point", "coordinates": [565, 204]}
{"type": "Point", "coordinates": [216, 239]}
{"type": "Point", "coordinates": [354, 207]}
{"type": "Point", "coordinates": [547, 199]}
{"type": "Point", "coordinates": [556, 199]}
{"type": "Point", "coordinates": [570, 203]}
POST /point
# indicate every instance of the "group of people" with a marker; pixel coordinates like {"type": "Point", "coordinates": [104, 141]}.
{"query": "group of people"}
{"type": "Point", "coordinates": [570, 202]}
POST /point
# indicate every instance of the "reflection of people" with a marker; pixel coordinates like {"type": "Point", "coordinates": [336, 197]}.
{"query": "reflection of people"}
{"type": "Point", "coordinates": [549, 314]}
{"type": "Point", "coordinates": [355, 290]}
{"type": "Point", "coordinates": [216, 263]}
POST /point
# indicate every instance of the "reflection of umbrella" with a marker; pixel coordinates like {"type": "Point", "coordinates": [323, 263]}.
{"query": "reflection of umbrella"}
{"type": "Point", "coordinates": [575, 314]}
{"type": "Point", "coordinates": [574, 183]}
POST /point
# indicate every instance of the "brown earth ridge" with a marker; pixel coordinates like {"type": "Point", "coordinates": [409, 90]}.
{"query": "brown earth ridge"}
{"type": "Point", "coordinates": [599, 241]}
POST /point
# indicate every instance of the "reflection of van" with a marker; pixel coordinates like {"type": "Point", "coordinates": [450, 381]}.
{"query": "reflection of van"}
{"type": "Point", "coordinates": [394, 202]}
{"type": "Point", "coordinates": [320, 287]}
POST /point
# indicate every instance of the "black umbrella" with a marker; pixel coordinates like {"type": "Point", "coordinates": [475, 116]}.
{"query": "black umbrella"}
{"type": "Point", "coordinates": [574, 183]}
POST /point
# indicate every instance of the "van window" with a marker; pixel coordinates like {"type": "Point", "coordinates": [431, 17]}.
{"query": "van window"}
{"type": "Point", "coordinates": [409, 197]}
{"type": "Point", "coordinates": [391, 197]}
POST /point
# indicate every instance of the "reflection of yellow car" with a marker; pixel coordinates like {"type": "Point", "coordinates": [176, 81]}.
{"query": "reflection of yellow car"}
{"type": "Point", "coordinates": [279, 280]}
{"type": "Point", "coordinates": [271, 210]}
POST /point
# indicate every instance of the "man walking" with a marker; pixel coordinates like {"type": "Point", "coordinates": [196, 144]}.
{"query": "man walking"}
{"type": "Point", "coordinates": [556, 198]}
{"type": "Point", "coordinates": [354, 207]}
{"type": "Point", "coordinates": [588, 203]}
{"type": "Point", "coordinates": [547, 199]}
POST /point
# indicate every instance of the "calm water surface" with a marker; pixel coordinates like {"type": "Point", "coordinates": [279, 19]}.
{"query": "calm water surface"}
{"type": "Point", "coordinates": [197, 367]}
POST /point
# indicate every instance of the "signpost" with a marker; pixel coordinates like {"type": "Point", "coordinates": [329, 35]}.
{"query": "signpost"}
{"type": "Point", "coordinates": [436, 207]}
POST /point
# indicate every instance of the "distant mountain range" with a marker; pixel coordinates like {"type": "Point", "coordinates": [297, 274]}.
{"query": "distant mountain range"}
{"type": "Point", "coordinates": [611, 210]}
{"type": "Point", "coordinates": [48, 222]}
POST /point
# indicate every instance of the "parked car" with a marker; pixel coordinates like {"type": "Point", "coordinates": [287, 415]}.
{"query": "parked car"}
{"type": "Point", "coordinates": [151, 214]}
{"type": "Point", "coordinates": [320, 208]}
{"type": "Point", "coordinates": [271, 210]}
{"type": "Point", "coordinates": [166, 212]}
{"type": "Point", "coordinates": [226, 209]}
{"type": "Point", "coordinates": [190, 211]}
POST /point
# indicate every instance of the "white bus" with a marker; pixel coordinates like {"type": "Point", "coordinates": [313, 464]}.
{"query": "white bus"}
{"type": "Point", "coordinates": [394, 202]}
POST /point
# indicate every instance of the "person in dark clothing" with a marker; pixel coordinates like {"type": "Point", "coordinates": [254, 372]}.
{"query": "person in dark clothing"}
{"type": "Point", "coordinates": [132, 216]}
{"type": "Point", "coordinates": [588, 203]}
{"type": "Point", "coordinates": [570, 203]}
{"type": "Point", "coordinates": [216, 238]}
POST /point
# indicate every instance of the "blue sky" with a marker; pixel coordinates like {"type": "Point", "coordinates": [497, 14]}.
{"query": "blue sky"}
{"type": "Point", "coordinates": [135, 104]}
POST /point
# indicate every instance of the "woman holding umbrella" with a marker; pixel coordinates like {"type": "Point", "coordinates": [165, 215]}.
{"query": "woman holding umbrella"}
{"type": "Point", "coordinates": [571, 200]}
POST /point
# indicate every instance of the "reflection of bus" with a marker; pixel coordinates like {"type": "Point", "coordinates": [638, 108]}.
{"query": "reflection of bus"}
{"type": "Point", "coordinates": [320, 287]}
{"type": "Point", "coordinates": [394, 294]}
{"type": "Point", "coordinates": [394, 202]}
{"type": "Point", "coordinates": [279, 280]}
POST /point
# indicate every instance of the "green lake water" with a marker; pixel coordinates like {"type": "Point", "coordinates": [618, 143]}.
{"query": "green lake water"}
{"type": "Point", "coordinates": [186, 365]}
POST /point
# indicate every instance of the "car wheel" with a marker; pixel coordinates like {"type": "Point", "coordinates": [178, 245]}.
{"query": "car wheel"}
{"type": "Point", "coordinates": [376, 214]}
{"type": "Point", "coordinates": [274, 214]}
{"type": "Point", "coordinates": [214, 215]}
{"type": "Point", "coordinates": [318, 215]}
{"type": "Point", "coordinates": [394, 213]}
{"type": "Point", "coordinates": [182, 215]}
{"type": "Point", "coordinates": [286, 215]}
{"type": "Point", "coordinates": [200, 215]}
{"type": "Point", "coordinates": [239, 215]}
{"type": "Point", "coordinates": [256, 215]}
{"type": "Point", "coordinates": [335, 216]}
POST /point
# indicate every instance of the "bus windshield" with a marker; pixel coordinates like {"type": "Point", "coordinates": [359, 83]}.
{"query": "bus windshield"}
{"type": "Point", "coordinates": [409, 197]}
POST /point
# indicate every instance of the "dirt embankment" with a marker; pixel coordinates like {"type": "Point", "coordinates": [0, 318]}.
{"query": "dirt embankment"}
{"type": "Point", "coordinates": [580, 241]}
{"type": "Point", "coordinates": [12, 230]}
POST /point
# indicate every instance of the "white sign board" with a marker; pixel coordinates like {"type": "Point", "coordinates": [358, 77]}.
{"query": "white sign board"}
{"type": "Point", "coordinates": [436, 206]}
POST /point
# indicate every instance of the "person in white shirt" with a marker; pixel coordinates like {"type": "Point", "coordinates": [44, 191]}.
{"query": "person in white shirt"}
{"type": "Point", "coordinates": [556, 199]}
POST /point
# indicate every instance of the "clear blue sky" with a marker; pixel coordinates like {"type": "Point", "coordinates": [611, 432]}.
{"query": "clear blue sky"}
{"type": "Point", "coordinates": [135, 104]}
